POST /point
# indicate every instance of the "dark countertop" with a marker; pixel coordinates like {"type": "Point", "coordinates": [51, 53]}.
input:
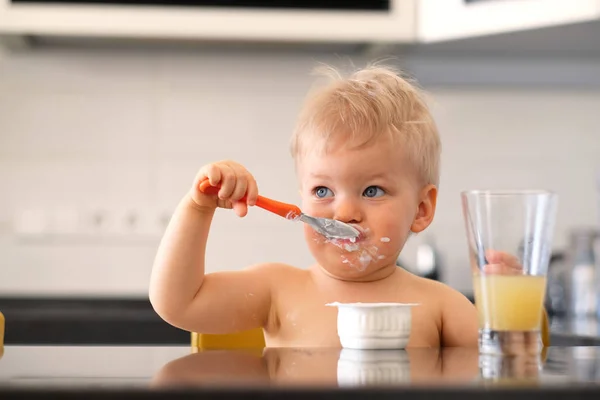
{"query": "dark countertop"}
{"type": "Point", "coordinates": [155, 371]}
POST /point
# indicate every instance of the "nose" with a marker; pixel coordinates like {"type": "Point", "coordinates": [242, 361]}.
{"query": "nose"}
{"type": "Point", "coordinates": [348, 211]}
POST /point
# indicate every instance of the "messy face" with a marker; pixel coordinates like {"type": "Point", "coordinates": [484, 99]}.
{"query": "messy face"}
{"type": "Point", "coordinates": [372, 188]}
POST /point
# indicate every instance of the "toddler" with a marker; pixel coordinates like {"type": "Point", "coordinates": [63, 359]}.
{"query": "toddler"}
{"type": "Point", "coordinates": [367, 153]}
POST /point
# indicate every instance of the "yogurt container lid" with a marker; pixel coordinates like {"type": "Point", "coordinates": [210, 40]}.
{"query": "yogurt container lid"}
{"type": "Point", "coordinates": [371, 305]}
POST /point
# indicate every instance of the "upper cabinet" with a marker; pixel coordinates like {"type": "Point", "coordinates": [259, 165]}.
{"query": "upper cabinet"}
{"type": "Point", "coordinates": [439, 20]}
{"type": "Point", "coordinates": [358, 21]}
{"type": "Point", "coordinates": [240, 20]}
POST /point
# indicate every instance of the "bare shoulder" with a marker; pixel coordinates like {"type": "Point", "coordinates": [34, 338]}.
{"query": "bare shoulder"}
{"type": "Point", "coordinates": [437, 290]}
{"type": "Point", "coordinates": [458, 314]}
{"type": "Point", "coordinates": [276, 275]}
{"type": "Point", "coordinates": [276, 270]}
{"type": "Point", "coordinates": [446, 293]}
{"type": "Point", "coordinates": [262, 278]}
{"type": "Point", "coordinates": [274, 267]}
{"type": "Point", "coordinates": [451, 301]}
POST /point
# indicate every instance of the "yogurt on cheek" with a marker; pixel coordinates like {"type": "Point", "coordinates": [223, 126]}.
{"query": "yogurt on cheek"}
{"type": "Point", "coordinates": [364, 254]}
{"type": "Point", "coordinates": [360, 253]}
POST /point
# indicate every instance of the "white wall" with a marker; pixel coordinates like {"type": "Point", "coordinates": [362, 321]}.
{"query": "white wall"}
{"type": "Point", "coordinates": [119, 130]}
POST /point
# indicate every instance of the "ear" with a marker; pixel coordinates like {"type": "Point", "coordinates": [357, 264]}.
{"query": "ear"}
{"type": "Point", "coordinates": [425, 209]}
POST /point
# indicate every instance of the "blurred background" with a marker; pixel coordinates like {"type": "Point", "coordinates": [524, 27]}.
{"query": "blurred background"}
{"type": "Point", "coordinates": [109, 108]}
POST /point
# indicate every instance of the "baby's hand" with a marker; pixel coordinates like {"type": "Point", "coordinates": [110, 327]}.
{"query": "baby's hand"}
{"type": "Point", "coordinates": [502, 263]}
{"type": "Point", "coordinates": [235, 181]}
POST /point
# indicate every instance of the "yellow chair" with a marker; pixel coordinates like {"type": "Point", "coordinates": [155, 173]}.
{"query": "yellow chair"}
{"type": "Point", "coordinates": [545, 329]}
{"type": "Point", "coordinates": [1, 334]}
{"type": "Point", "coordinates": [1, 329]}
{"type": "Point", "coordinates": [250, 339]}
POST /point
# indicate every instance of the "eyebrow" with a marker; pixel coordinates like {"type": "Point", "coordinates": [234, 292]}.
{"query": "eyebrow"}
{"type": "Point", "coordinates": [374, 176]}
{"type": "Point", "coordinates": [319, 176]}
{"type": "Point", "coordinates": [379, 175]}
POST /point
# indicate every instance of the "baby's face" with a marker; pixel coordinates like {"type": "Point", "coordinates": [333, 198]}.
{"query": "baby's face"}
{"type": "Point", "coordinates": [373, 189]}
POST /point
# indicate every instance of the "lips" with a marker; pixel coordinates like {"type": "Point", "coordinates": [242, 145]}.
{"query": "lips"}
{"type": "Point", "coordinates": [354, 241]}
{"type": "Point", "coordinates": [348, 241]}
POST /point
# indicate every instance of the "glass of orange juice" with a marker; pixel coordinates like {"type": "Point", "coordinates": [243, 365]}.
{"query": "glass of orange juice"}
{"type": "Point", "coordinates": [509, 235]}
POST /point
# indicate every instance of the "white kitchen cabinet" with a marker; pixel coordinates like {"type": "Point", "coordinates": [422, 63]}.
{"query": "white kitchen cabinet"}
{"type": "Point", "coordinates": [405, 21]}
{"type": "Point", "coordinates": [211, 23]}
{"type": "Point", "coordinates": [439, 20]}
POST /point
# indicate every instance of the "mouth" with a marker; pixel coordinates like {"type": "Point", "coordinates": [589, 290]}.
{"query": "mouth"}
{"type": "Point", "coordinates": [347, 242]}
{"type": "Point", "coordinates": [362, 235]}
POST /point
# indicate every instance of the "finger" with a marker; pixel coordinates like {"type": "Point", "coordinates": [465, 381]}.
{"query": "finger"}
{"type": "Point", "coordinates": [501, 257]}
{"type": "Point", "coordinates": [252, 192]}
{"type": "Point", "coordinates": [493, 269]}
{"type": "Point", "coordinates": [500, 269]}
{"type": "Point", "coordinates": [224, 204]}
{"type": "Point", "coordinates": [240, 188]}
{"type": "Point", "coordinates": [240, 208]}
{"type": "Point", "coordinates": [228, 182]}
{"type": "Point", "coordinates": [213, 173]}
{"type": "Point", "coordinates": [493, 256]}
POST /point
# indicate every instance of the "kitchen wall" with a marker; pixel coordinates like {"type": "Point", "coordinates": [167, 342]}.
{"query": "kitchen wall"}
{"type": "Point", "coordinates": [91, 140]}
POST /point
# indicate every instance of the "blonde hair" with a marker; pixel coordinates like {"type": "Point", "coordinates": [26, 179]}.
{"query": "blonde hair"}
{"type": "Point", "coordinates": [359, 109]}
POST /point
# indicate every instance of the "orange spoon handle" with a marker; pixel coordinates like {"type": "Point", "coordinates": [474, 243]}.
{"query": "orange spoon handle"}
{"type": "Point", "coordinates": [284, 210]}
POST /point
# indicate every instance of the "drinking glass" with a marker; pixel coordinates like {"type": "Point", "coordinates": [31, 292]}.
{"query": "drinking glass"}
{"type": "Point", "coordinates": [509, 235]}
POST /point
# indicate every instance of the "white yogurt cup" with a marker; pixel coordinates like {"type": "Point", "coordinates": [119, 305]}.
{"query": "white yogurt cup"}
{"type": "Point", "coordinates": [374, 325]}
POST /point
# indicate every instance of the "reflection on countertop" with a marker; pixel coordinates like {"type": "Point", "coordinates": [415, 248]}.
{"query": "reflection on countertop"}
{"type": "Point", "coordinates": [355, 368]}
{"type": "Point", "coordinates": [322, 367]}
{"type": "Point", "coordinates": [176, 367]}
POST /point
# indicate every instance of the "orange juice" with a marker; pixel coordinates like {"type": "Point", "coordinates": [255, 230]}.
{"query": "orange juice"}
{"type": "Point", "coordinates": [509, 302]}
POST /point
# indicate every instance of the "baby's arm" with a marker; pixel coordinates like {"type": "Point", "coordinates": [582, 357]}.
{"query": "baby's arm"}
{"type": "Point", "coordinates": [180, 293]}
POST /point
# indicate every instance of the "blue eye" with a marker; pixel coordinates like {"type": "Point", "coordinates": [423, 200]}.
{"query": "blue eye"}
{"type": "Point", "coordinates": [322, 192]}
{"type": "Point", "coordinates": [373, 191]}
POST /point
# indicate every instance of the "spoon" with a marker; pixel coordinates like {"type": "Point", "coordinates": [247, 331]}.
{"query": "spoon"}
{"type": "Point", "coordinates": [330, 228]}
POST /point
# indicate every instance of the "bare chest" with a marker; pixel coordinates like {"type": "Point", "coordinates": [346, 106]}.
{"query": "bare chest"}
{"type": "Point", "coordinates": [303, 319]}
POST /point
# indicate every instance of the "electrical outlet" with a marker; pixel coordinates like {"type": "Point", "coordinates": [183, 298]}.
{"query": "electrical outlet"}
{"type": "Point", "coordinates": [149, 222]}
{"type": "Point", "coordinates": [31, 222]}
{"type": "Point", "coordinates": [95, 221]}
{"type": "Point", "coordinates": [121, 222]}
{"type": "Point", "coordinates": [65, 221]}
{"type": "Point", "coordinates": [164, 218]}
